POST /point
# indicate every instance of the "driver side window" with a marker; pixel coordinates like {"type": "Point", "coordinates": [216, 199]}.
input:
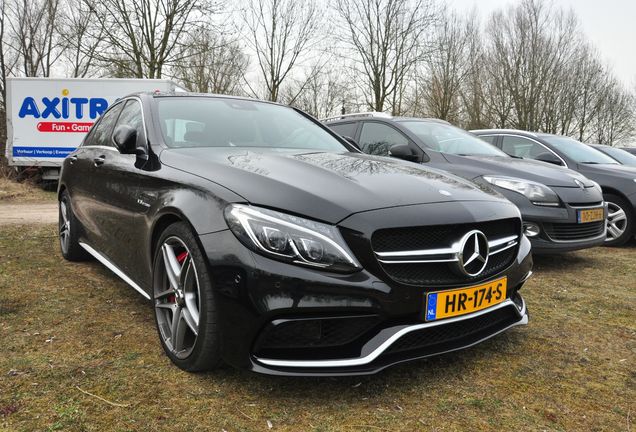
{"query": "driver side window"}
{"type": "Point", "coordinates": [131, 116]}
{"type": "Point", "coordinates": [522, 147]}
{"type": "Point", "coordinates": [377, 138]}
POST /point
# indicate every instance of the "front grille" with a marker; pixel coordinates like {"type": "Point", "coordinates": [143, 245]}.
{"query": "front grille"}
{"type": "Point", "coordinates": [424, 269]}
{"type": "Point", "coordinates": [437, 236]}
{"type": "Point", "coordinates": [312, 333]}
{"type": "Point", "coordinates": [586, 204]}
{"type": "Point", "coordinates": [574, 231]}
{"type": "Point", "coordinates": [486, 324]}
{"type": "Point", "coordinates": [434, 274]}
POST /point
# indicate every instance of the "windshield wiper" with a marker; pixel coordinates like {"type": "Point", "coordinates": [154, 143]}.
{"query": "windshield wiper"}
{"type": "Point", "coordinates": [590, 163]}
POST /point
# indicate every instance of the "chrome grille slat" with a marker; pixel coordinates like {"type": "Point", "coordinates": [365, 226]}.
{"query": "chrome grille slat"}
{"type": "Point", "coordinates": [496, 246]}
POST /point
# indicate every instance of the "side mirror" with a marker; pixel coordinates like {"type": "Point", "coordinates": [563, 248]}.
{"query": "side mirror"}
{"type": "Point", "coordinates": [403, 151]}
{"type": "Point", "coordinates": [125, 138]}
{"type": "Point", "coordinates": [351, 141]}
{"type": "Point", "coordinates": [549, 158]}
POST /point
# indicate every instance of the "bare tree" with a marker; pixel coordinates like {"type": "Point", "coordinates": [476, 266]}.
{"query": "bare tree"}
{"type": "Point", "coordinates": [615, 119]}
{"type": "Point", "coordinates": [83, 35]}
{"type": "Point", "coordinates": [281, 33]}
{"type": "Point", "coordinates": [212, 64]}
{"type": "Point", "coordinates": [474, 115]}
{"type": "Point", "coordinates": [446, 69]}
{"type": "Point", "coordinates": [320, 93]}
{"type": "Point", "coordinates": [146, 36]}
{"type": "Point", "coordinates": [33, 35]}
{"type": "Point", "coordinates": [385, 39]}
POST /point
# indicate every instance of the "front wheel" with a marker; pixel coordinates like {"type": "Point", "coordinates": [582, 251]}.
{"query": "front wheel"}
{"type": "Point", "coordinates": [69, 231]}
{"type": "Point", "coordinates": [184, 301]}
{"type": "Point", "coordinates": [620, 220]}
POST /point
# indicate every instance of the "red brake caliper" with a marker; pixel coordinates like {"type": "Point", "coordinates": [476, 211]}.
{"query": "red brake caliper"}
{"type": "Point", "coordinates": [180, 258]}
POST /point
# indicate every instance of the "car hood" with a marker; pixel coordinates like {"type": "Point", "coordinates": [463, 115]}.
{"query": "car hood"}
{"type": "Point", "coordinates": [542, 172]}
{"type": "Point", "coordinates": [324, 186]}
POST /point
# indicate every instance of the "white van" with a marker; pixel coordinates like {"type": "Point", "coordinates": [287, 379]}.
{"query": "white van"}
{"type": "Point", "coordinates": [47, 118]}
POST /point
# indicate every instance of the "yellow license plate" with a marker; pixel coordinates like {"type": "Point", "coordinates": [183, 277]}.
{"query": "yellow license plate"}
{"type": "Point", "coordinates": [591, 215]}
{"type": "Point", "coordinates": [450, 303]}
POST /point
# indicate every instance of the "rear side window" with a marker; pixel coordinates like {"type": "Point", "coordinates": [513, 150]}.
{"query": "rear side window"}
{"type": "Point", "coordinates": [101, 134]}
{"type": "Point", "coordinates": [345, 129]}
{"type": "Point", "coordinates": [377, 138]}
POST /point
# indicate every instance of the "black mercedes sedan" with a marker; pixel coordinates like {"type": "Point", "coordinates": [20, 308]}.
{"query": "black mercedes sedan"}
{"type": "Point", "coordinates": [267, 242]}
{"type": "Point", "coordinates": [617, 181]}
{"type": "Point", "coordinates": [562, 210]}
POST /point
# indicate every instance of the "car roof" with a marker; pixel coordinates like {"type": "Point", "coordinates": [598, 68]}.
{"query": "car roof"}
{"type": "Point", "coordinates": [162, 94]}
{"type": "Point", "coordinates": [345, 118]}
{"type": "Point", "coordinates": [511, 131]}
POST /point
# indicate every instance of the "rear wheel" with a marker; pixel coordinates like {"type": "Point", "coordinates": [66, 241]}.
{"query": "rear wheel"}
{"type": "Point", "coordinates": [69, 231]}
{"type": "Point", "coordinates": [620, 220]}
{"type": "Point", "coordinates": [185, 307]}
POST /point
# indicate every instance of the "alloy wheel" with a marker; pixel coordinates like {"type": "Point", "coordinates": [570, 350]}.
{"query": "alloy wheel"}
{"type": "Point", "coordinates": [65, 226]}
{"type": "Point", "coordinates": [177, 297]}
{"type": "Point", "coordinates": [616, 221]}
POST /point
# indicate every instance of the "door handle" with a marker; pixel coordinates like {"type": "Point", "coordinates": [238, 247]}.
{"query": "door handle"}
{"type": "Point", "coordinates": [99, 160]}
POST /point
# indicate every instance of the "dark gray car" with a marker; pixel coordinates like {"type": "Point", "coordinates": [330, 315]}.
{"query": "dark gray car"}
{"type": "Point", "coordinates": [618, 154]}
{"type": "Point", "coordinates": [561, 209]}
{"type": "Point", "coordinates": [617, 181]}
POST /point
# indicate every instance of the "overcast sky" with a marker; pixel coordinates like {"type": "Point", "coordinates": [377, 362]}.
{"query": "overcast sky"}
{"type": "Point", "coordinates": [609, 24]}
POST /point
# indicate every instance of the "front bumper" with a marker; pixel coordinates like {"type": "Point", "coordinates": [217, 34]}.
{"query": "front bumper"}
{"type": "Point", "coordinates": [378, 352]}
{"type": "Point", "coordinates": [255, 293]}
{"type": "Point", "coordinates": [559, 227]}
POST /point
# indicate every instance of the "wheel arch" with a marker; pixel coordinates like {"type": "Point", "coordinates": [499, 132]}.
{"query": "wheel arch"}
{"type": "Point", "coordinates": [164, 220]}
{"type": "Point", "coordinates": [613, 191]}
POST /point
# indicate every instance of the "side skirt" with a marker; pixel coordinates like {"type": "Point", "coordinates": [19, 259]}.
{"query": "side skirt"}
{"type": "Point", "coordinates": [112, 267]}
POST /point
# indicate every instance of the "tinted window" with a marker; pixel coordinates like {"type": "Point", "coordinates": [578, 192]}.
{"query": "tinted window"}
{"type": "Point", "coordinates": [449, 139]}
{"type": "Point", "coordinates": [577, 151]}
{"type": "Point", "coordinates": [377, 138]}
{"type": "Point", "coordinates": [489, 139]}
{"type": "Point", "coordinates": [102, 132]}
{"type": "Point", "coordinates": [131, 116]}
{"type": "Point", "coordinates": [345, 129]}
{"type": "Point", "coordinates": [221, 122]}
{"type": "Point", "coordinates": [522, 147]}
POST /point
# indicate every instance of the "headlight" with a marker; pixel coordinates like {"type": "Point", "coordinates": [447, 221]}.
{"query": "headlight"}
{"type": "Point", "coordinates": [537, 193]}
{"type": "Point", "coordinates": [290, 238]}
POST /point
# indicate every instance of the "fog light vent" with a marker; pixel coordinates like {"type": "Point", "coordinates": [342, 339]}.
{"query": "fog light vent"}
{"type": "Point", "coordinates": [531, 229]}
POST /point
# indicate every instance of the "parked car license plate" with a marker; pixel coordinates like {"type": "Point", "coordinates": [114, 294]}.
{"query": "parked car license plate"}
{"type": "Point", "coordinates": [450, 303]}
{"type": "Point", "coordinates": [591, 215]}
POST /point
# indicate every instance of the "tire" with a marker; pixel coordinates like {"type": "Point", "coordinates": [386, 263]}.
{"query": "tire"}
{"type": "Point", "coordinates": [620, 220]}
{"type": "Point", "coordinates": [184, 301]}
{"type": "Point", "coordinates": [68, 230]}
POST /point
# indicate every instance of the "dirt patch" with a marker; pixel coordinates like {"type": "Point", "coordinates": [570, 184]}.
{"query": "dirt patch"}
{"type": "Point", "coordinates": [37, 213]}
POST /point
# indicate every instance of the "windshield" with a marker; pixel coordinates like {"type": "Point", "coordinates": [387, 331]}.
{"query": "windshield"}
{"type": "Point", "coordinates": [622, 156]}
{"type": "Point", "coordinates": [449, 139]}
{"type": "Point", "coordinates": [577, 151]}
{"type": "Point", "coordinates": [225, 122]}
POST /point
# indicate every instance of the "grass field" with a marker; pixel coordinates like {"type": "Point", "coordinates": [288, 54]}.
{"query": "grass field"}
{"type": "Point", "coordinates": [14, 192]}
{"type": "Point", "coordinates": [79, 351]}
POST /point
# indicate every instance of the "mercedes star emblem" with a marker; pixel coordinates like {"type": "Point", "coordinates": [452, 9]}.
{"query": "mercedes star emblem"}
{"type": "Point", "coordinates": [473, 253]}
